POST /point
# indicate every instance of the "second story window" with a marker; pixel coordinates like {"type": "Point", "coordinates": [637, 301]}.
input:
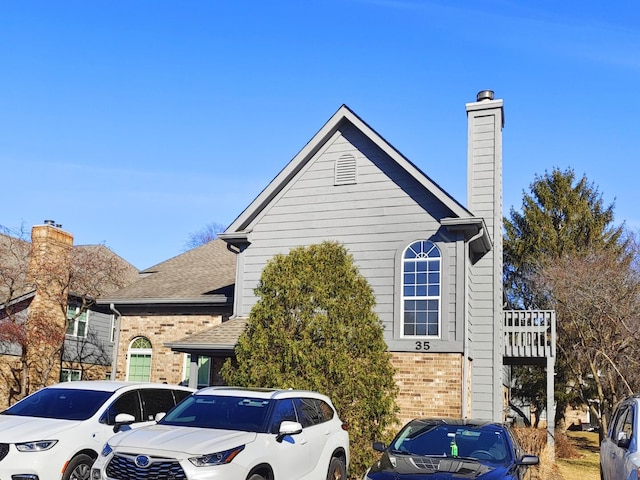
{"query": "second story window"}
{"type": "Point", "coordinates": [77, 321]}
{"type": "Point", "coordinates": [421, 282]}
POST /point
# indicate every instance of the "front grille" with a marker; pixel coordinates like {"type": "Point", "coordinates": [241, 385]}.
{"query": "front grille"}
{"type": "Point", "coordinates": [4, 449]}
{"type": "Point", "coordinates": [123, 467]}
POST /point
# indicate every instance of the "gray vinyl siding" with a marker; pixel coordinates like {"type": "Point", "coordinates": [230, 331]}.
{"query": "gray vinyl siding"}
{"type": "Point", "coordinates": [97, 347]}
{"type": "Point", "coordinates": [485, 292]}
{"type": "Point", "coordinates": [9, 348]}
{"type": "Point", "coordinates": [375, 218]}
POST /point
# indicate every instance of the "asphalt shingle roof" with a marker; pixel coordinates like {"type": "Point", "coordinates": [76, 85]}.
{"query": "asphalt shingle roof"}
{"type": "Point", "coordinates": [206, 270]}
{"type": "Point", "coordinates": [225, 334]}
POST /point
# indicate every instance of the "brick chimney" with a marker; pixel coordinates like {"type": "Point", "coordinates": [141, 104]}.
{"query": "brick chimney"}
{"type": "Point", "coordinates": [49, 266]}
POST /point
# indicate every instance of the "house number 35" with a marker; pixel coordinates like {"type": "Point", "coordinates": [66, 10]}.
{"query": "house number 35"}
{"type": "Point", "coordinates": [422, 346]}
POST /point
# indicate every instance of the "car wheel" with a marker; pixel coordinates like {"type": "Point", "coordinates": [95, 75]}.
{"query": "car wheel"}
{"type": "Point", "coordinates": [79, 468]}
{"type": "Point", "coordinates": [255, 476]}
{"type": "Point", "coordinates": [337, 471]}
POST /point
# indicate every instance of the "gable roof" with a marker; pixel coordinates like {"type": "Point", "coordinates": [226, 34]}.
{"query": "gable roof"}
{"type": "Point", "coordinates": [241, 226]}
{"type": "Point", "coordinates": [205, 274]}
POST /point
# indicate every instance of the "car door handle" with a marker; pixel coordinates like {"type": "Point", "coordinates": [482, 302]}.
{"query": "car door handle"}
{"type": "Point", "coordinates": [303, 441]}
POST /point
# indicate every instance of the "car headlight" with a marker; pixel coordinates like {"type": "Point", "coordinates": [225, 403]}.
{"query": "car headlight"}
{"type": "Point", "coordinates": [218, 458]}
{"type": "Point", "coordinates": [106, 450]}
{"type": "Point", "coordinates": [39, 446]}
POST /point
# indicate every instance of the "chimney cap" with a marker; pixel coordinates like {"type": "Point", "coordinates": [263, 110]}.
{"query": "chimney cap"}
{"type": "Point", "coordinates": [52, 223]}
{"type": "Point", "coordinates": [484, 95]}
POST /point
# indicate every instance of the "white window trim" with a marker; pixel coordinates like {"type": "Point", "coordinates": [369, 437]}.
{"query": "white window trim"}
{"type": "Point", "coordinates": [76, 321]}
{"type": "Point", "coordinates": [427, 297]}
{"type": "Point", "coordinates": [138, 351]}
{"type": "Point", "coordinates": [71, 371]}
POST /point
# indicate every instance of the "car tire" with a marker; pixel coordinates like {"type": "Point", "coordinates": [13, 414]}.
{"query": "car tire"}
{"type": "Point", "coordinates": [337, 470]}
{"type": "Point", "coordinates": [79, 468]}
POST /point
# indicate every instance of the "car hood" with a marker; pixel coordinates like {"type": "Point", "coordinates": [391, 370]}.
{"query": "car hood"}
{"type": "Point", "coordinates": [17, 429]}
{"type": "Point", "coordinates": [407, 467]}
{"type": "Point", "coordinates": [187, 440]}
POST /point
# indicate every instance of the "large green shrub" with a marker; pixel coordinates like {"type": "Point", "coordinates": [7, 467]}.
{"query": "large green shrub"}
{"type": "Point", "coordinates": [314, 327]}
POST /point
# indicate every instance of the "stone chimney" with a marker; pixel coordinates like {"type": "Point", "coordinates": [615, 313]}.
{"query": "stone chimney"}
{"type": "Point", "coordinates": [49, 267]}
{"type": "Point", "coordinates": [484, 195]}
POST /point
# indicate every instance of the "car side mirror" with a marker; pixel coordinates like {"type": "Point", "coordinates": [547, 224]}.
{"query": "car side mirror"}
{"type": "Point", "coordinates": [159, 416]}
{"type": "Point", "coordinates": [379, 446]}
{"type": "Point", "coordinates": [288, 428]}
{"type": "Point", "coordinates": [123, 422]}
{"type": "Point", "coordinates": [623, 441]}
{"type": "Point", "coordinates": [529, 460]}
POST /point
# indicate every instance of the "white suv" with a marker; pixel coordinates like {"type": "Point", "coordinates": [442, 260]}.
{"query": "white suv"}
{"type": "Point", "coordinates": [57, 432]}
{"type": "Point", "coordinates": [234, 434]}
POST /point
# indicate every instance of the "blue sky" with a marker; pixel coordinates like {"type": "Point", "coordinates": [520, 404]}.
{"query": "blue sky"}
{"type": "Point", "coordinates": [136, 123]}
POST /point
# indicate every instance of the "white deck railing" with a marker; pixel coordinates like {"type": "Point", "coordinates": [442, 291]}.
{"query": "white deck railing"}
{"type": "Point", "coordinates": [529, 333]}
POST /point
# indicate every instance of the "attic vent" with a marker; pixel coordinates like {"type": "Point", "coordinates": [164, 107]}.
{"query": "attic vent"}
{"type": "Point", "coordinates": [345, 173]}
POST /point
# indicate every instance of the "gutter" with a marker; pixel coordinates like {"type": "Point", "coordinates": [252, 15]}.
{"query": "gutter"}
{"type": "Point", "coordinates": [204, 300]}
{"type": "Point", "coordinates": [465, 338]}
{"type": "Point", "coordinates": [116, 341]}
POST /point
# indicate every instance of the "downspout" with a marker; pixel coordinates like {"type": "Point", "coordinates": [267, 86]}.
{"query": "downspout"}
{"type": "Point", "coordinates": [465, 338]}
{"type": "Point", "coordinates": [116, 341]}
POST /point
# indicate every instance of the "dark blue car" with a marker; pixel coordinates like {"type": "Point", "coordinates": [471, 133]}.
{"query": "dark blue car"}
{"type": "Point", "coordinates": [438, 449]}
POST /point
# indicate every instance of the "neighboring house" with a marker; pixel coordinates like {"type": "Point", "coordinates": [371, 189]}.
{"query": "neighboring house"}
{"type": "Point", "coordinates": [26, 292]}
{"type": "Point", "coordinates": [176, 298]}
{"type": "Point", "coordinates": [435, 265]}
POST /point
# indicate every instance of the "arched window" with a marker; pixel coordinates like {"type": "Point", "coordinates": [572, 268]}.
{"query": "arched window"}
{"type": "Point", "coordinates": [421, 279]}
{"type": "Point", "coordinates": [139, 355]}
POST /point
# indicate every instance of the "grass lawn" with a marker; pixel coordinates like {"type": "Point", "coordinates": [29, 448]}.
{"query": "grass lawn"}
{"type": "Point", "coordinates": [587, 465]}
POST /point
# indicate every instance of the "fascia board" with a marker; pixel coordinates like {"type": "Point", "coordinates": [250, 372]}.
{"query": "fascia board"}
{"type": "Point", "coordinates": [212, 299]}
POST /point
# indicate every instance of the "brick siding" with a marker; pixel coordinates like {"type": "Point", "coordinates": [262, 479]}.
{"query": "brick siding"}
{"type": "Point", "coordinates": [166, 366]}
{"type": "Point", "coordinates": [430, 384]}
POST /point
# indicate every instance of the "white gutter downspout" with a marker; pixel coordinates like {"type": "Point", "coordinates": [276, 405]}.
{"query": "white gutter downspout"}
{"type": "Point", "coordinates": [116, 341]}
{"type": "Point", "coordinates": [465, 338]}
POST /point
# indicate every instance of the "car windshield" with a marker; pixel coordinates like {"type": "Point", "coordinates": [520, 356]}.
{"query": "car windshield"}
{"type": "Point", "coordinates": [60, 403]}
{"type": "Point", "coordinates": [485, 443]}
{"type": "Point", "coordinates": [221, 412]}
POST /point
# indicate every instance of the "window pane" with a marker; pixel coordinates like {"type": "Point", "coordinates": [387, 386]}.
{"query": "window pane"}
{"type": "Point", "coordinates": [421, 279]}
{"type": "Point", "coordinates": [156, 401]}
{"type": "Point", "coordinates": [141, 343]}
{"type": "Point", "coordinates": [82, 327]}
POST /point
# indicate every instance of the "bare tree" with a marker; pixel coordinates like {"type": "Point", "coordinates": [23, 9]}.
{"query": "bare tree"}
{"type": "Point", "coordinates": [597, 300]}
{"type": "Point", "coordinates": [205, 235]}
{"type": "Point", "coordinates": [35, 290]}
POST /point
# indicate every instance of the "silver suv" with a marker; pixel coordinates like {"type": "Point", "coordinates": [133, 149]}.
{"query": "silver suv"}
{"type": "Point", "coordinates": [233, 433]}
{"type": "Point", "coordinates": [619, 450]}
